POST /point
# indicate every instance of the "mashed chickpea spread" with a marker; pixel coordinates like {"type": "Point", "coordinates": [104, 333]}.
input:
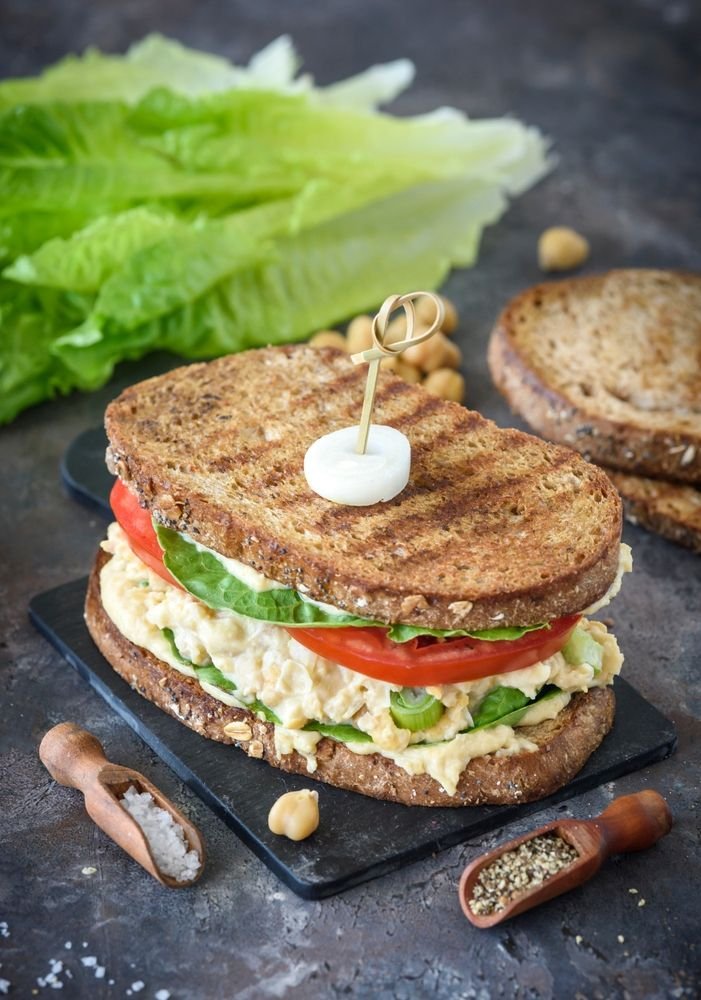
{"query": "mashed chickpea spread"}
{"type": "Point", "coordinates": [267, 665]}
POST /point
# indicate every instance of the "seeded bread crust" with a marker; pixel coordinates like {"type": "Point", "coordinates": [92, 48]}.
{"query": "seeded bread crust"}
{"type": "Point", "coordinates": [494, 525]}
{"type": "Point", "coordinates": [609, 365]}
{"type": "Point", "coordinates": [669, 509]}
{"type": "Point", "coordinates": [564, 743]}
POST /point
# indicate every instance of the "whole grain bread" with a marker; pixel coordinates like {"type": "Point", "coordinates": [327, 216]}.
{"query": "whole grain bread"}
{"type": "Point", "coordinates": [564, 743]}
{"type": "Point", "coordinates": [610, 365]}
{"type": "Point", "coordinates": [670, 509]}
{"type": "Point", "coordinates": [494, 525]}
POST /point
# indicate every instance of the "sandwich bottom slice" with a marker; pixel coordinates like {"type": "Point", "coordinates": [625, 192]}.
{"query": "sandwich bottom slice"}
{"type": "Point", "coordinates": [513, 737]}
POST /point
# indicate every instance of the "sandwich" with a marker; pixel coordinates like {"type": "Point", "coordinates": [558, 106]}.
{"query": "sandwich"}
{"type": "Point", "coordinates": [431, 650]}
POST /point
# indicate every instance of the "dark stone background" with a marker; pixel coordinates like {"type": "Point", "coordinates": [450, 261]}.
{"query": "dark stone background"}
{"type": "Point", "coordinates": [617, 87]}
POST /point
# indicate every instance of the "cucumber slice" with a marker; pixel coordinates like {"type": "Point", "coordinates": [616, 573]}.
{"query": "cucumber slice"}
{"type": "Point", "coordinates": [581, 648]}
{"type": "Point", "coordinates": [414, 709]}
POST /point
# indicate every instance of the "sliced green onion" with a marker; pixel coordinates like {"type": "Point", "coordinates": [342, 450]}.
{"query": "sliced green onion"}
{"type": "Point", "coordinates": [414, 709]}
{"type": "Point", "coordinates": [581, 648]}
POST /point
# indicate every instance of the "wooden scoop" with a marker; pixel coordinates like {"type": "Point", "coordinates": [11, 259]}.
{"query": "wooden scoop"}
{"type": "Point", "coordinates": [630, 823]}
{"type": "Point", "coordinates": [74, 757]}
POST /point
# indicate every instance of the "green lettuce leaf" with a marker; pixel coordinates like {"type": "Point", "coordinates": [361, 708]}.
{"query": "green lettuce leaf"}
{"type": "Point", "coordinates": [339, 731]}
{"type": "Point", "coordinates": [202, 574]}
{"type": "Point", "coordinates": [505, 706]}
{"type": "Point", "coordinates": [200, 207]}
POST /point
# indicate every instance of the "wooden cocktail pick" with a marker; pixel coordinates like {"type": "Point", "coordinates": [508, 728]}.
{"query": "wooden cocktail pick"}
{"type": "Point", "coordinates": [630, 823]}
{"type": "Point", "coordinates": [74, 757]}
{"type": "Point", "coordinates": [374, 355]}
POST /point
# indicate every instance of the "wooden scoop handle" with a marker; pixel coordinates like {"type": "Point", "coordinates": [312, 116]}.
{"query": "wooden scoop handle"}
{"type": "Point", "coordinates": [71, 755]}
{"type": "Point", "coordinates": [634, 822]}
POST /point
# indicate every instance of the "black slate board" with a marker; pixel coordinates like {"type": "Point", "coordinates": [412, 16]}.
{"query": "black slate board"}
{"type": "Point", "coordinates": [83, 470]}
{"type": "Point", "coordinates": [359, 838]}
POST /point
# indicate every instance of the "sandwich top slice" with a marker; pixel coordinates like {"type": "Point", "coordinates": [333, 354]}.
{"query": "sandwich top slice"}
{"type": "Point", "coordinates": [428, 650]}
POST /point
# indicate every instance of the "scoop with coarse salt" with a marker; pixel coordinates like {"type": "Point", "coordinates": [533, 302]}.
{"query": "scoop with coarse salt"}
{"type": "Point", "coordinates": [130, 810]}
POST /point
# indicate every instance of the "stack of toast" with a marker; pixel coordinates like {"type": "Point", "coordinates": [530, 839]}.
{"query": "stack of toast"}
{"type": "Point", "coordinates": [611, 366]}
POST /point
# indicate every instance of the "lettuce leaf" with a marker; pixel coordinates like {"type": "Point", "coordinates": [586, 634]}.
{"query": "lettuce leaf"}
{"type": "Point", "coordinates": [200, 207]}
{"type": "Point", "coordinates": [506, 706]}
{"type": "Point", "coordinates": [202, 574]}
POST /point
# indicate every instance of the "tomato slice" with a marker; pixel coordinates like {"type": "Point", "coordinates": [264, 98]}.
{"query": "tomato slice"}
{"type": "Point", "coordinates": [136, 523]}
{"type": "Point", "coordinates": [419, 663]}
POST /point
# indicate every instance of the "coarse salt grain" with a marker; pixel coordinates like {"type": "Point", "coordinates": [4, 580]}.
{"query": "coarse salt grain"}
{"type": "Point", "coordinates": [162, 995]}
{"type": "Point", "coordinates": [138, 986]}
{"type": "Point", "coordinates": [5, 987]}
{"type": "Point", "coordinates": [89, 961]}
{"type": "Point", "coordinates": [4, 929]}
{"type": "Point", "coordinates": [165, 837]}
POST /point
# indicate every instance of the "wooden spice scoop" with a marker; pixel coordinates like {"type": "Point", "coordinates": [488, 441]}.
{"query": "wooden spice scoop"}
{"type": "Point", "coordinates": [630, 823]}
{"type": "Point", "coordinates": [74, 757]}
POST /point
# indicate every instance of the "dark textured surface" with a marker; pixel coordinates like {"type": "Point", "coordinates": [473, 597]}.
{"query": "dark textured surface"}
{"type": "Point", "coordinates": [617, 87]}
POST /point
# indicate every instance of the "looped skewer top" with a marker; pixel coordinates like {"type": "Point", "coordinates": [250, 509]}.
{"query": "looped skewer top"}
{"type": "Point", "coordinates": [368, 464]}
{"type": "Point", "coordinates": [380, 350]}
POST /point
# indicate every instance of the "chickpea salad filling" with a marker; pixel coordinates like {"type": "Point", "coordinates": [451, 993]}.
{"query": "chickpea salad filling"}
{"type": "Point", "coordinates": [245, 662]}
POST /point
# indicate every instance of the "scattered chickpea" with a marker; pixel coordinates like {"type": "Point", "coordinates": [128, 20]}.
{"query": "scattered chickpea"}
{"type": "Point", "coordinates": [436, 352]}
{"type": "Point", "coordinates": [430, 363]}
{"type": "Point", "coordinates": [407, 372]}
{"type": "Point", "coordinates": [447, 384]}
{"type": "Point", "coordinates": [359, 334]}
{"type": "Point", "coordinates": [328, 338]}
{"type": "Point", "coordinates": [426, 313]}
{"type": "Point", "coordinates": [561, 249]}
{"type": "Point", "coordinates": [295, 814]}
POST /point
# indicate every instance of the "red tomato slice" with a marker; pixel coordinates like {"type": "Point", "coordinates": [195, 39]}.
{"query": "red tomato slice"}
{"type": "Point", "coordinates": [418, 664]}
{"type": "Point", "coordinates": [135, 522]}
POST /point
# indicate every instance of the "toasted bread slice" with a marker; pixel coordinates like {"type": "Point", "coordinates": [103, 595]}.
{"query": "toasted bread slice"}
{"type": "Point", "coordinates": [610, 365]}
{"type": "Point", "coordinates": [494, 525]}
{"type": "Point", "coordinates": [564, 743]}
{"type": "Point", "coordinates": [670, 509]}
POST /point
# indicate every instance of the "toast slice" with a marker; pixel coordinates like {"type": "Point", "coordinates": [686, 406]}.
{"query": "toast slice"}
{"type": "Point", "coordinates": [610, 365]}
{"type": "Point", "coordinates": [670, 509]}
{"type": "Point", "coordinates": [495, 525]}
{"type": "Point", "coordinates": [564, 743]}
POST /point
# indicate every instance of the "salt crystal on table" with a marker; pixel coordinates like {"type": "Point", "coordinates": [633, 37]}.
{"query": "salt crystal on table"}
{"type": "Point", "coordinates": [162, 994]}
{"type": "Point", "coordinates": [165, 837]}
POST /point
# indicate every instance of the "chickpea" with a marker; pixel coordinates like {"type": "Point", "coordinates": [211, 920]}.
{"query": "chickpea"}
{"type": "Point", "coordinates": [407, 371]}
{"type": "Point", "coordinates": [359, 334]}
{"type": "Point", "coordinates": [436, 352]}
{"type": "Point", "coordinates": [446, 383]}
{"type": "Point", "coordinates": [295, 814]}
{"type": "Point", "coordinates": [328, 338]}
{"type": "Point", "coordinates": [396, 330]}
{"type": "Point", "coordinates": [426, 313]}
{"type": "Point", "coordinates": [561, 249]}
